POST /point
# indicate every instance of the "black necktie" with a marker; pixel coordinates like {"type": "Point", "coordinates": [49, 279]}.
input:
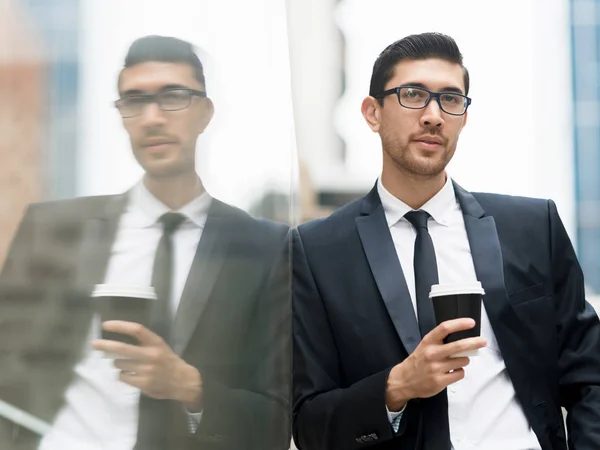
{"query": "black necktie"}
{"type": "Point", "coordinates": [425, 266]}
{"type": "Point", "coordinates": [154, 415]}
{"type": "Point", "coordinates": [435, 429]}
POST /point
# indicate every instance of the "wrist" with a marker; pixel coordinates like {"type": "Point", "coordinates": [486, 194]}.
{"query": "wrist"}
{"type": "Point", "coordinates": [396, 395]}
{"type": "Point", "coordinates": [191, 390]}
{"type": "Point", "coordinates": [395, 404]}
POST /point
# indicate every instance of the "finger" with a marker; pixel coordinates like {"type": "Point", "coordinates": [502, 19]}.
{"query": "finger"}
{"type": "Point", "coordinates": [121, 349]}
{"type": "Point", "coordinates": [128, 365]}
{"type": "Point", "coordinates": [132, 379]}
{"type": "Point", "coordinates": [136, 330]}
{"type": "Point", "coordinates": [439, 333]}
{"type": "Point", "coordinates": [453, 377]}
{"type": "Point", "coordinates": [462, 346]}
{"type": "Point", "coordinates": [454, 364]}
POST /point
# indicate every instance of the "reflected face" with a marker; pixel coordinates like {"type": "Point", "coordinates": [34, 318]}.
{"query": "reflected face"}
{"type": "Point", "coordinates": [164, 142]}
{"type": "Point", "coordinates": [420, 142]}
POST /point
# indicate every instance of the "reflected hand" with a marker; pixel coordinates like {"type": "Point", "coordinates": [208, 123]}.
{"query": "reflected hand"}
{"type": "Point", "coordinates": [152, 366]}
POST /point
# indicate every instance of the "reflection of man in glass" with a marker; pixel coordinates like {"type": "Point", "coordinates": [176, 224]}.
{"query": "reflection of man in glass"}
{"type": "Point", "coordinates": [210, 368]}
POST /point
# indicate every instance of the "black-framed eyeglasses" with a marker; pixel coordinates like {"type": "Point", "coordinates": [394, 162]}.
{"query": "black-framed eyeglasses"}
{"type": "Point", "coordinates": [167, 100]}
{"type": "Point", "coordinates": [414, 97]}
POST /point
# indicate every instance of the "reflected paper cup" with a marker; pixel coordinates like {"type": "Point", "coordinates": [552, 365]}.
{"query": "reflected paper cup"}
{"type": "Point", "coordinates": [455, 301]}
{"type": "Point", "coordinates": [127, 303]}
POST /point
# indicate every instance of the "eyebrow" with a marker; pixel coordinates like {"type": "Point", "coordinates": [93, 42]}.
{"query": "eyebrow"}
{"type": "Point", "coordinates": [168, 87]}
{"type": "Point", "coordinates": [445, 89]}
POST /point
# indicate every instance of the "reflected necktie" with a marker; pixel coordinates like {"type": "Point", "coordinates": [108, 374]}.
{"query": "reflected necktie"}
{"type": "Point", "coordinates": [435, 427]}
{"type": "Point", "coordinates": [162, 275]}
{"type": "Point", "coordinates": [154, 418]}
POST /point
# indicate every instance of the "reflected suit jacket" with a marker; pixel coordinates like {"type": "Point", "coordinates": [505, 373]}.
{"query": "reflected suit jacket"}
{"type": "Point", "coordinates": [232, 323]}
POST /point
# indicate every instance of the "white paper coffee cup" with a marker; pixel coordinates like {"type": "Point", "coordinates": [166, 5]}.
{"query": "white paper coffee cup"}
{"type": "Point", "coordinates": [457, 300]}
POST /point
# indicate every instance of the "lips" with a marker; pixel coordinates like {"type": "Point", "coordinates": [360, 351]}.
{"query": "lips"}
{"type": "Point", "coordinates": [431, 140]}
{"type": "Point", "coordinates": [157, 143]}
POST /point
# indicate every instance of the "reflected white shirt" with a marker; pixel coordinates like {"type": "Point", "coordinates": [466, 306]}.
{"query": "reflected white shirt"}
{"type": "Point", "coordinates": [101, 412]}
{"type": "Point", "coordinates": [482, 408]}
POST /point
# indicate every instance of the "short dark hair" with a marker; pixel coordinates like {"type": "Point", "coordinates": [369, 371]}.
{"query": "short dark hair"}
{"type": "Point", "coordinates": [164, 49]}
{"type": "Point", "coordinates": [414, 47]}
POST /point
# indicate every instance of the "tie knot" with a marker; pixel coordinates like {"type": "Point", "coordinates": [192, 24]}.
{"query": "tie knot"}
{"type": "Point", "coordinates": [171, 221]}
{"type": "Point", "coordinates": [418, 219]}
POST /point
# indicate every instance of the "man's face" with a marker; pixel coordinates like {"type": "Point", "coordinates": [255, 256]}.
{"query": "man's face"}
{"type": "Point", "coordinates": [418, 142]}
{"type": "Point", "coordinates": [164, 142]}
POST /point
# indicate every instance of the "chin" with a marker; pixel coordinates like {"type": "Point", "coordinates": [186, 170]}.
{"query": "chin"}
{"type": "Point", "coordinates": [163, 170]}
{"type": "Point", "coordinates": [428, 172]}
{"type": "Point", "coordinates": [427, 167]}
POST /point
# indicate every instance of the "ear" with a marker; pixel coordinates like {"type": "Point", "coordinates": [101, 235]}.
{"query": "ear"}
{"type": "Point", "coordinates": [208, 112]}
{"type": "Point", "coordinates": [371, 111]}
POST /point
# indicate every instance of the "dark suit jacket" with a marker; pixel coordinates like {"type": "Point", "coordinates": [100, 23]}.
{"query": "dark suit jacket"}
{"type": "Point", "coordinates": [353, 321]}
{"type": "Point", "coordinates": [233, 322]}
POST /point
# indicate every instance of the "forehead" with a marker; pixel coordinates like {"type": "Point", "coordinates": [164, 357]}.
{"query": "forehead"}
{"type": "Point", "coordinates": [433, 73]}
{"type": "Point", "coordinates": [153, 76]}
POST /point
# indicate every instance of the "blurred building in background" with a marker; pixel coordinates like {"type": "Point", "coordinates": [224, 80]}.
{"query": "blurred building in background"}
{"type": "Point", "coordinates": [57, 24]}
{"type": "Point", "coordinates": [585, 35]}
{"type": "Point", "coordinates": [22, 128]}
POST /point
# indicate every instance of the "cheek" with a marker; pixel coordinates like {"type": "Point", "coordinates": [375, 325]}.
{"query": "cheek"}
{"type": "Point", "coordinates": [196, 127]}
{"type": "Point", "coordinates": [131, 129]}
{"type": "Point", "coordinates": [398, 126]}
{"type": "Point", "coordinates": [454, 132]}
{"type": "Point", "coordinates": [188, 127]}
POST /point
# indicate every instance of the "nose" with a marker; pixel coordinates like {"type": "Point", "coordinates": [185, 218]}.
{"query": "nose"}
{"type": "Point", "coordinates": [153, 116]}
{"type": "Point", "coordinates": [432, 115]}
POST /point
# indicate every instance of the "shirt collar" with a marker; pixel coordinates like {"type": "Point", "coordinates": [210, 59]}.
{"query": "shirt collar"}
{"type": "Point", "coordinates": [149, 209]}
{"type": "Point", "coordinates": [439, 206]}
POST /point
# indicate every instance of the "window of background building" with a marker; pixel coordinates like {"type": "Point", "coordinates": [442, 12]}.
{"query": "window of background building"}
{"type": "Point", "coordinates": [585, 32]}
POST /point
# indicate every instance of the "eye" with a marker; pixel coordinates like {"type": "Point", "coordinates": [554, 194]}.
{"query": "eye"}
{"type": "Point", "coordinates": [451, 99]}
{"type": "Point", "coordinates": [174, 95]}
{"type": "Point", "coordinates": [411, 93]}
{"type": "Point", "coordinates": [135, 100]}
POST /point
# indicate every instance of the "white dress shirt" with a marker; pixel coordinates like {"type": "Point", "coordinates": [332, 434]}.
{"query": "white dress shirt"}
{"type": "Point", "coordinates": [101, 412]}
{"type": "Point", "coordinates": [482, 408]}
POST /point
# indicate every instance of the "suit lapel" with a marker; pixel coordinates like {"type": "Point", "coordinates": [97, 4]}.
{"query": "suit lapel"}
{"type": "Point", "coordinates": [385, 266]}
{"type": "Point", "coordinates": [98, 236]}
{"type": "Point", "coordinates": [487, 258]}
{"type": "Point", "coordinates": [489, 267]}
{"type": "Point", "coordinates": [206, 266]}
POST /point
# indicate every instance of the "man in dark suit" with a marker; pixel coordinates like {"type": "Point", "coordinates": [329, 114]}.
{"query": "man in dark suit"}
{"type": "Point", "coordinates": [212, 369]}
{"type": "Point", "coordinates": [371, 369]}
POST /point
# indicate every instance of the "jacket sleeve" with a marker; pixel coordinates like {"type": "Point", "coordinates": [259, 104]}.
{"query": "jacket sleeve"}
{"type": "Point", "coordinates": [328, 415]}
{"type": "Point", "coordinates": [256, 416]}
{"type": "Point", "coordinates": [578, 342]}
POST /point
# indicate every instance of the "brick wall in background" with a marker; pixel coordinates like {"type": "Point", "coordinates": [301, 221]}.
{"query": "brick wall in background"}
{"type": "Point", "coordinates": [21, 97]}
